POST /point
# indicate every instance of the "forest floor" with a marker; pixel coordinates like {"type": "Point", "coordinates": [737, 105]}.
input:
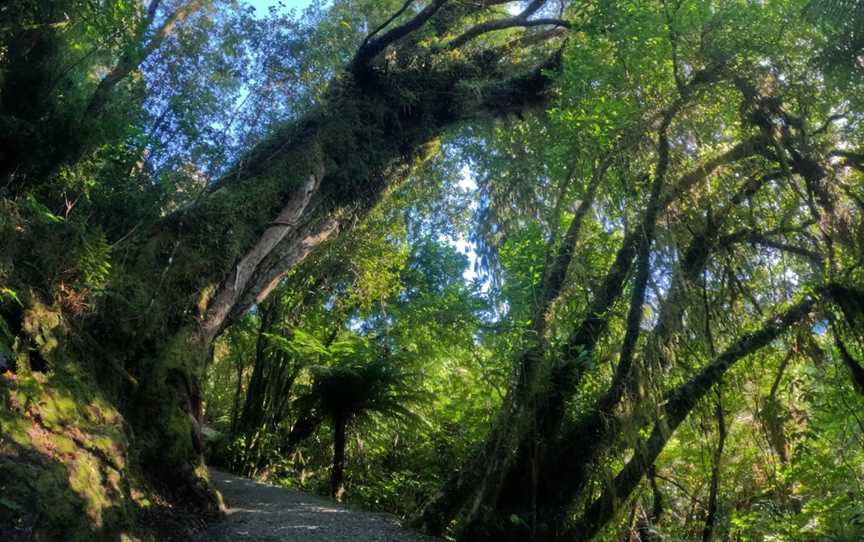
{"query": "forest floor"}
{"type": "Point", "coordinates": [263, 513]}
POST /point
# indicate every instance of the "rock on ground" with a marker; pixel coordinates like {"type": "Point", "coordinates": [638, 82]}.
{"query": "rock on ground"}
{"type": "Point", "coordinates": [263, 513]}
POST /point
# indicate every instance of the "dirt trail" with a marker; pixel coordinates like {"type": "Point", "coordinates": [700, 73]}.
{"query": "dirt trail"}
{"type": "Point", "coordinates": [266, 513]}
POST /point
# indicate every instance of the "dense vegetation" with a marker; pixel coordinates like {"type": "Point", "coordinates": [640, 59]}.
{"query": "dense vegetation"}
{"type": "Point", "coordinates": [537, 270]}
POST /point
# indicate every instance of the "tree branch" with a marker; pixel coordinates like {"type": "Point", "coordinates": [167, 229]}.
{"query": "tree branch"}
{"type": "Point", "coordinates": [386, 23]}
{"type": "Point", "coordinates": [853, 159]}
{"type": "Point", "coordinates": [828, 122]}
{"type": "Point", "coordinates": [677, 407]}
{"type": "Point", "coordinates": [760, 238]}
{"type": "Point", "coordinates": [743, 149]}
{"type": "Point", "coordinates": [856, 372]}
{"type": "Point", "coordinates": [372, 48]}
{"type": "Point", "coordinates": [613, 395]}
{"type": "Point", "coordinates": [591, 434]}
{"type": "Point", "coordinates": [130, 61]}
{"type": "Point", "coordinates": [519, 21]}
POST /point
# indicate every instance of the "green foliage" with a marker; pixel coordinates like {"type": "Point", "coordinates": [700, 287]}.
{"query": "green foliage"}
{"type": "Point", "coordinates": [360, 382]}
{"type": "Point", "coordinates": [406, 371]}
{"type": "Point", "coordinates": [843, 44]}
{"type": "Point", "coordinates": [63, 451]}
{"type": "Point", "coordinates": [117, 228]}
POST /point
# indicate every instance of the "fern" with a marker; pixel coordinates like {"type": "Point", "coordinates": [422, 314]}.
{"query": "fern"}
{"type": "Point", "coordinates": [94, 259]}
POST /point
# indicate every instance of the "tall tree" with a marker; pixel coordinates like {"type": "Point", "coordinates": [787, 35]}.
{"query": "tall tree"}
{"type": "Point", "coordinates": [418, 73]}
{"type": "Point", "coordinates": [690, 199]}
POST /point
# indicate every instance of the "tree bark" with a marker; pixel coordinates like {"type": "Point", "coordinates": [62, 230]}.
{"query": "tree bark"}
{"type": "Point", "coordinates": [711, 513]}
{"type": "Point", "coordinates": [337, 475]}
{"type": "Point", "coordinates": [856, 372]}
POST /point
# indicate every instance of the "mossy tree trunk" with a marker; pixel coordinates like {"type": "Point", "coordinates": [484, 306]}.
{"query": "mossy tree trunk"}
{"type": "Point", "coordinates": [204, 266]}
{"type": "Point", "coordinates": [179, 283]}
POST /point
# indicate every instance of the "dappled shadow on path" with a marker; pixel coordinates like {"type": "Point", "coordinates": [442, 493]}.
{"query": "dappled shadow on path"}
{"type": "Point", "coordinates": [267, 513]}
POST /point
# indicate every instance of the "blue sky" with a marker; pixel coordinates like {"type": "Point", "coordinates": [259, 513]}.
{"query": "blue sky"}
{"type": "Point", "coordinates": [261, 6]}
{"type": "Point", "coordinates": [466, 182]}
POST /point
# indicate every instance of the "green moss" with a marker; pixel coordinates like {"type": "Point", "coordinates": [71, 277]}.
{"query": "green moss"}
{"type": "Point", "coordinates": [86, 481]}
{"type": "Point", "coordinates": [58, 410]}
{"type": "Point", "coordinates": [15, 430]}
{"type": "Point", "coordinates": [100, 412]}
{"type": "Point", "coordinates": [165, 428]}
{"type": "Point", "coordinates": [61, 450]}
{"type": "Point", "coordinates": [45, 327]}
{"type": "Point", "coordinates": [107, 445]}
{"type": "Point", "coordinates": [63, 444]}
{"type": "Point", "coordinates": [180, 450]}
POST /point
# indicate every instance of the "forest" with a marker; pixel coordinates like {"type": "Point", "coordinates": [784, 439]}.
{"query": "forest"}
{"type": "Point", "coordinates": [537, 270]}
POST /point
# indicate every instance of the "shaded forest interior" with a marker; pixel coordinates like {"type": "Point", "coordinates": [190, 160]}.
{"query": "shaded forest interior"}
{"type": "Point", "coordinates": [538, 270]}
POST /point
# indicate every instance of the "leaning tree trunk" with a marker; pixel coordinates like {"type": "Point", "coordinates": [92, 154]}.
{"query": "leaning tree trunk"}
{"type": "Point", "coordinates": [204, 266]}
{"type": "Point", "coordinates": [179, 283]}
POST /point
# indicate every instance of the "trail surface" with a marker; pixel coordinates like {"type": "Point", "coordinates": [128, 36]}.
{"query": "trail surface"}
{"type": "Point", "coordinates": [266, 513]}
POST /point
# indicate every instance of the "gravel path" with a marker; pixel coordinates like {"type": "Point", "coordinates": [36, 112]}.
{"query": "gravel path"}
{"type": "Point", "coordinates": [266, 513]}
